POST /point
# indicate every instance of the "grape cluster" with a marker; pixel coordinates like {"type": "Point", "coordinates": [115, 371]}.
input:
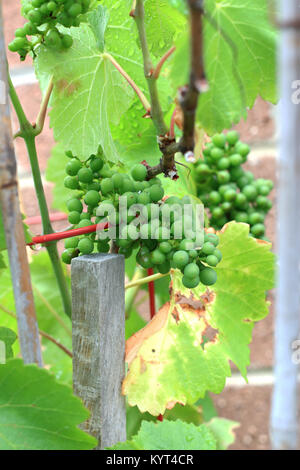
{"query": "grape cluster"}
{"type": "Point", "coordinates": [154, 242]}
{"type": "Point", "coordinates": [43, 17]}
{"type": "Point", "coordinates": [227, 190]}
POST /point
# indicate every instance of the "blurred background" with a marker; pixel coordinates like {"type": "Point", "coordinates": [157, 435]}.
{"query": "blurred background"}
{"type": "Point", "coordinates": [247, 404]}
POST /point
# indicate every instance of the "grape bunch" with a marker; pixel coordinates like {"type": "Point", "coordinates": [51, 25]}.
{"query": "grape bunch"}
{"type": "Point", "coordinates": [155, 242]}
{"type": "Point", "coordinates": [43, 17]}
{"type": "Point", "coordinates": [230, 192]}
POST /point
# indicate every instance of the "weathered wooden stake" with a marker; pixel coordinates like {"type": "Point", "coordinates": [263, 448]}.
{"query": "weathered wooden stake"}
{"type": "Point", "coordinates": [98, 316]}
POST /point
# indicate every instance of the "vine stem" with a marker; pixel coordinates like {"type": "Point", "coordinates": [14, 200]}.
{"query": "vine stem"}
{"type": "Point", "coordinates": [160, 64]}
{"type": "Point", "coordinates": [137, 90]}
{"type": "Point", "coordinates": [40, 121]}
{"type": "Point", "coordinates": [28, 133]}
{"type": "Point", "coordinates": [145, 280]}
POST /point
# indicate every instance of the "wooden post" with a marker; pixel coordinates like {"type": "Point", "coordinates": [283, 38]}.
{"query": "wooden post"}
{"type": "Point", "coordinates": [98, 316]}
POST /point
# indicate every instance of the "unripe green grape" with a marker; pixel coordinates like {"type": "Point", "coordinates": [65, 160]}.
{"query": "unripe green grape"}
{"type": "Point", "coordinates": [258, 230]}
{"type": "Point", "coordinates": [218, 254]}
{"type": "Point", "coordinates": [212, 238]}
{"type": "Point", "coordinates": [96, 164]}
{"type": "Point", "coordinates": [29, 29]}
{"type": "Point", "coordinates": [208, 248]}
{"type": "Point", "coordinates": [215, 198]}
{"type": "Point", "coordinates": [73, 166]}
{"type": "Point", "coordinates": [212, 260]}
{"type": "Point", "coordinates": [71, 242]}
{"type": "Point", "coordinates": [74, 204]}
{"type": "Point", "coordinates": [85, 175]}
{"type": "Point", "coordinates": [232, 137]}
{"type": "Point", "coordinates": [164, 268]}
{"type": "Point", "coordinates": [20, 33]}
{"type": "Point", "coordinates": [156, 193]}
{"type": "Point", "coordinates": [190, 283]}
{"type": "Point", "coordinates": [117, 180]}
{"type": "Point", "coordinates": [127, 186]}
{"type": "Point", "coordinates": [75, 10]}
{"type": "Point", "coordinates": [84, 223]}
{"type": "Point", "coordinates": [162, 234]}
{"type": "Point", "coordinates": [67, 256]}
{"type": "Point", "coordinates": [85, 216]}
{"type": "Point", "coordinates": [51, 6]}
{"type": "Point", "coordinates": [256, 218]}
{"type": "Point", "coordinates": [186, 245]}
{"type": "Point", "coordinates": [263, 190]}
{"type": "Point", "coordinates": [71, 182]}
{"type": "Point", "coordinates": [74, 217]}
{"type": "Point", "coordinates": [86, 246]}
{"type": "Point", "coordinates": [240, 201]}
{"type": "Point", "coordinates": [236, 173]}
{"type": "Point", "coordinates": [36, 3]}
{"type": "Point", "coordinates": [250, 192]}
{"type": "Point", "coordinates": [35, 17]}
{"type": "Point", "coordinates": [53, 39]}
{"type": "Point", "coordinates": [66, 41]}
{"type": "Point", "coordinates": [180, 259]}
{"type": "Point", "coordinates": [95, 186]}
{"type": "Point", "coordinates": [223, 177]}
{"type": "Point", "coordinates": [102, 246]}
{"type": "Point", "coordinates": [155, 180]}
{"type": "Point", "coordinates": [144, 198]}
{"type": "Point", "coordinates": [145, 261]}
{"type": "Point", "coordinates": [235, 160]}
{"type": "Point", "coordinates": [216, 154]}
{"type": "Point", "coordinates": [165, 247]}
{"type": "Point", "coordinates": [242, 182]}
{"type": "Point", "coordinates": [242, 217]}
{"type": "Point", "coordinates": [17, 44]}
{"type": "Point", "coordinates": [208, 276]}
{"type": "Point", "coordinates": [127, 252]}
{"type": "Point", "coordinates": [92, 198]}
{"type": "Point", "coordinates": [263, 203]}
{"type": "Point", "coordinates": [226, 206]}
{"type": "Point", "coordinates": [223, 163]}
{"type": "Point", "coordinates": [217, 213]}
{"type": "Point", "coordinates": [223, 188]}
{"type": "Point", "coordinates": [230, 195]}
{"type": "Point", "coordinates": [219, 140]}
{"type": "Point", "coordinates": [157, 257]}
{"type": "Point", "coordinates": [139, 172]}
{"type": "Point", "coordinates": [191, 271]}
{"type": "Point", "coordinates": [243, 149]}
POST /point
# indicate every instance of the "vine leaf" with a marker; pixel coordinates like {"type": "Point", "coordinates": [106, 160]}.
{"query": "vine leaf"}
{"type": "Point", "coordinates": [89, 94]}
{"type": "Point", "coordinates": [186, 348]}
{"type": "Point", "coordinates": [38, 413]}
{"type": "Point", "coordinates": [171, 435]}
{"type": "Point", "coordinates": [8, 337]}
{"type": "Point", "coordinates": [240, 61]}
{"type": "Point", "coordinates": [223, 430]}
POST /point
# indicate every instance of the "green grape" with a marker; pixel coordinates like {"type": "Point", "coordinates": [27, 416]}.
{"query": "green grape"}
{"type": "Point", "coordinates": [127, 186]}
{"type": "Point", "coordinates": [95, 186]}
{"type": "Point", "coordinates": [232, 137]}
{"type": "Point", "coordinates": [241, 200]}
{"type": "Point", "coordinates": [117, 180]}
{"type": "Point", "coordinates": [226, 206]}
{"type": "Point", "coordinates": [218, 254]}
{"type": "Point", "coordinates": [219, 140]}
{"type": "Point", "coordinates": [74, 204]}
{"type": "Point", "coordinates": [217, 213]}
{"type": "Point", "coordinates": [20, 33]}
{"type": "Point", "coordinates": [236, 173]}
{"type": "Point", "coordinates": [208, 276]}
{"type": "Point", "coordinates": [242, 217]}
{"type": "Point", "coordinates": [155, 180]}
{"type": "Point", "coordinates": [86, 246]}
{"type": "Point", "coordinates": [216, 154]}
{"type": "Point", "coordinates": [96, 164]}
{"type": "Point", "coordinates": [51, 6]}
{"type": "Point", "coordinates": [180, 259]}
{"type": "Point", "coordinates": [156, 193]}
{"type": "Point", "coordinates": [35, 17]}
{"type": "Point", "coordinates": [67, 256]}
{"type": "Point", "coordinates": [127, 252]}
{"type": "Point", "coordinates": [212, 238]}
{"type": "Point", "coordinates": [223, 163]}
{"type": "Point", "coordinates": [190, 283]}
{"type": "Point", "coordinates": [263, 203]}
{"type": "Point", "coordinates": [73, 166]}
{"type": "Point", "coordinates": [102, 246]}
{"type": "Point", "coordinates": [75, 10]}
{"type": "Point", "coordinates": [212, 260]}
{"type": "Point", "coordinates": [223, 177]}
{"type": "Point", "coordinates": [69, 154]}
{"type": "Point", "coordinates": [215, 198]}
{"type": "Point", "coordinates": [66, 41]}
{"type": "Point", "coordinates": [230, 195]}
{"type": "Point", "coordinates": [53, 39]}
{"type": "Point", "coordinates": [165, 247]}
{"type": "Point", "coordinates": [144, 199]}
{"type": "Point", "coordinates": [139, 172]}
{"type": "Point", "coordinates": [74, 217]}
{"type": "Point", "coordinates": [164, 268]}
{"type": "Point", "coordinates": [256, 218]}
{"type": "Point", "coordinates": [131, 198]}
{"type": "Point", "coordinates": [157, 257]}
{"type": "Point", "coordinates": [243, 149]}
{"type": "Point", "coordinates": [71, 182]}
{"type": "Point", "coordinates": [235, 160]}
{"type": "Point", "coordinates": [84, 223]}
{"type": "Point", "coordinates": [85, 216]}
{"type": "Point", "coordinates": [85, 175]}
{"type": "Point", "coordinates": [242, 182]}
{"type": "Point", "coordinates": [258, 230]}
{"type": "Point", "coordinates": [208, 248]}
{"type": "Point", "coordinates": [263, 190]}
{"type": "Point", "coordinates": [92, 198]}
{"type": "Point", "coordinates": [250, 192]}
{"type": "Point", "coordinates": [191, 271]}
{"type": "Point", "coordinates": [71, 242]}
{"type": "Point", "coordinates": [17, 44]}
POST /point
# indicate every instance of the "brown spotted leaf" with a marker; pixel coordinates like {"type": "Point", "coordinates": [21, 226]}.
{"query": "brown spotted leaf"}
{"type": "Point", "coordinates": [185, 350]}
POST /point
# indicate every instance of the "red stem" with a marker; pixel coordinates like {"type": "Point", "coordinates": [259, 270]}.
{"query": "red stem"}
{"type": "Point", "coordinates": [68, 234]}
{"type": "Point", "coordinates": [151, 289]}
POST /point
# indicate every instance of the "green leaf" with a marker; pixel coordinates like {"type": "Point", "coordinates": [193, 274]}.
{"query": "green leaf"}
{"type": "Point", "coordinates": [170, 435]}
{"type": "Point", "coordinates": [38, 413]}
{"type": "Point", "coordinates": [89, 94]}
{"type": "Point", "coordinates": [240, 61]}
{"type": "Point", "coordinates": [185, 350]}
{"type": "Point", "coordinates": [223, 431]}
{"type": "Point", "coordinates": [8, 337]}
